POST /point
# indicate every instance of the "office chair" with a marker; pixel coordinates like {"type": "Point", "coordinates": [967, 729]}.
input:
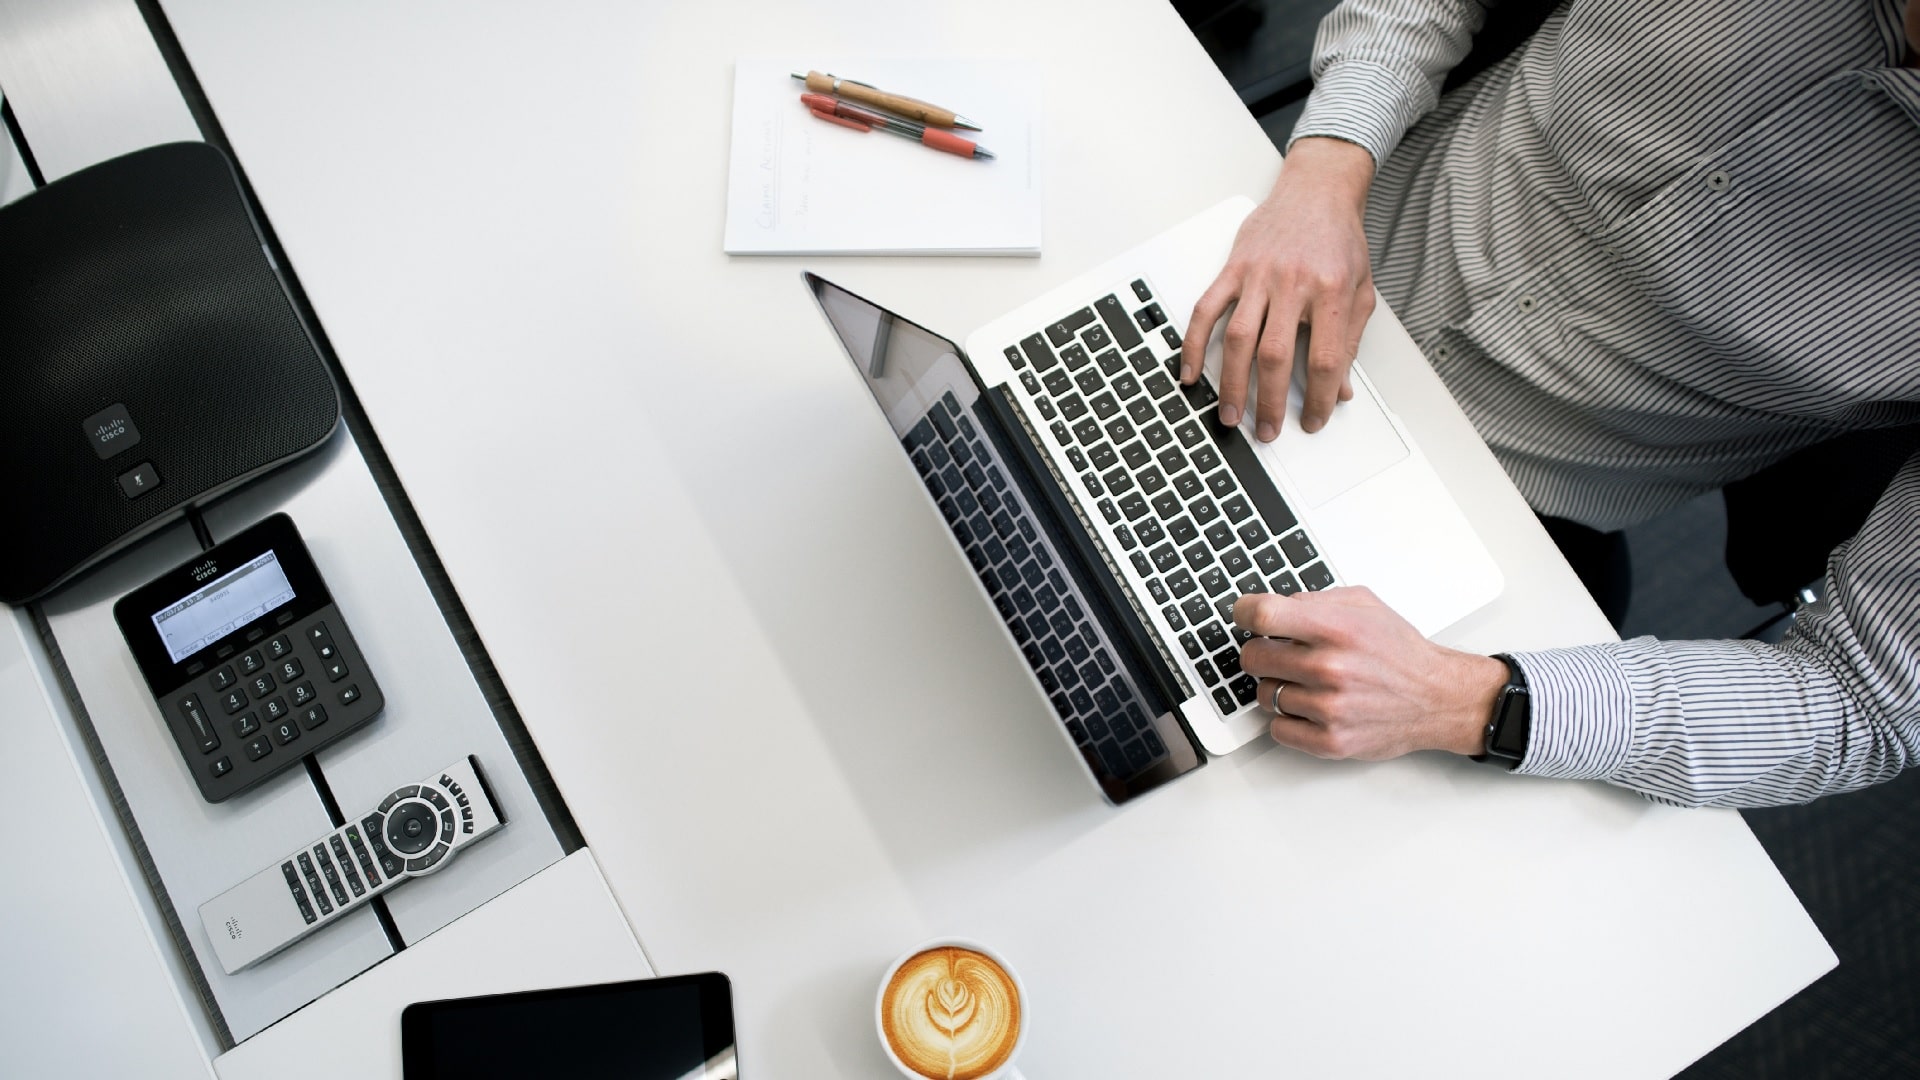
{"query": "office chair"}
{"type": "Point", "coordinates": [1829, 488]}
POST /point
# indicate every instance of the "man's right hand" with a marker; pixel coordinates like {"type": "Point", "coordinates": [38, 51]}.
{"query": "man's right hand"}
{"type": "Point", "coordinates": [1300, 257]}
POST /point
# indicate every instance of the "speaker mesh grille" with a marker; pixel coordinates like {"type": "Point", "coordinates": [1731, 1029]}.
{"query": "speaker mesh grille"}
{"type": "Point", "coordinates": [140, 282]}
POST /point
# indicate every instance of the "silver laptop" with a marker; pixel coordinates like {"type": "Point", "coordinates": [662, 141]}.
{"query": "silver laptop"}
{"type": "Point", "coordinates": [1112, 520]}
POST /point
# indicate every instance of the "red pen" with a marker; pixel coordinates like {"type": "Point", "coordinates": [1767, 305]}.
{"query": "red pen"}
{"type": "Point", "coordinates": [835, 111]}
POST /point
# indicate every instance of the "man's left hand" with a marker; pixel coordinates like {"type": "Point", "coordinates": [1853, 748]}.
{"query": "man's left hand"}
{"type": "Point", "coordinates": [1355, 680]}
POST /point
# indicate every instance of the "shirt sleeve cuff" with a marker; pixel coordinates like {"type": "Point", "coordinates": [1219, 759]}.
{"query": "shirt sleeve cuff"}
{"type": "Point", "coordinates": [1368, 104]}
{"type": "Point", "coordinates": [1581, 708]}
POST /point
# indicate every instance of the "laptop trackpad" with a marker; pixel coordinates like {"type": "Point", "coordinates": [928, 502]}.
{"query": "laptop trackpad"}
{"type": "Point", "coordinates": [1357, 443]}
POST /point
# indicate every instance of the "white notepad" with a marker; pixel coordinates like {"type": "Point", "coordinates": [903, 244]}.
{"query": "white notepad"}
{"type": "Point", "coordinates": [798, 185]}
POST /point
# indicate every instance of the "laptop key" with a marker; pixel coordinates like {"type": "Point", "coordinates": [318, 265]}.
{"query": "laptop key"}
{"type": "Point", "coordinates": [1032, 536]}
{"type": "Point", "coordinates": [1092, 482]}
{"type": "Point", "coordinates": [1141, 564]}
{"type": "Point", "coordinates": [1206, 459]}
{"type": "Point", "coordinates": [1244, 688]}
{"type": "Point", "coordinates": [1141, 409]}
{"type": "Point", "coordinates": [1074, 357]}
{"type": "Point", "coordinates": [1102, 457]}
{"type": "Point", "coordinates": [1096, 337]}
{"type": "Point", "coordinates": [1235, 562]}
{"type": "Point", "coordinates": [1014, 357]}
{"type": "Point", "coordinates": [1158, 384]}
{"type": "Point", "coordinates": [1062, 625]}
{"type": "Point", "coordinates": [1180, 583]}
{"type": "Point", "coordinates": [1171, 336]}
{"type": "Point", "coordinates": [1126, 386]}
{"type": "Point", "coordinates": [1089, 381]}
{"type": "Point", "coordinates": [1156, 435]}
{"type": "Point", "coordinates": [1062, 332]}
{"type": "Point", "coordinates": [1150, 316]}
{"type": "Point", "coordinates": [1189, 485]}
{"type": "Point", "coordinates": [1196, 610]}
{"type": "Point", "coordinates": [1081, 701]}
{"type": "Point", "coordinates": [1171, 613]}
{"type": "Point", "coordinates": [1175, 410]}
{"type": "Point", "coordinates": [1200, 395]}
{"type": "Point", "coordinates": [1317, 576]}
{"type": "Point", "coordinates": [1165, 557]}
{"type": "Point", "coordinates": [1221, 484]}
{"type": "Point", "coordinates": [1134, 506]}
{"type": "Point", "coordinates": [1104, 406]}
{"type": "Point", "coordinates": [943, 423]}
{"type": "Point", "coordinates": [1299, 549]}
{"type": "Point", "coordinates": [1270, 561]}
{"type": "Point", "coordinates": [1110, 362]}
{"type": "Point", "coordinates": [1214, 636]}
{"type": "Point", "coordinates": [1115, 316]}
{"type": "Point", "coordinates": [1032, 384]}
{"type": "Point", "coordinates": [1125, 536]}
{"type": "Point", "coordinates": [1197, 556]}
{"type": "Point", "coordinates": [1224, 606]}
{"type": "Point", "coordinates": [1140, 290]}
{"type": "Point", "coordinates": [1190, 645]}
{"type": "Point", "coordinates": [1219, 534]}
{"type": "Point", "coordinates": [1078, 652]}
{"type": "Point", "coordinates": [1149, 531]}
{"type": "Point", "coordinates": [1223, 701]}
{"type": "Point", "coordinates": [1058, 382]}
{"type": "Point", "coordinates": [1151, 480]}
{"type": "Point", "coordinates": [1285, 584]}
{"type": "Point", "coordinates": [1182, 531]}
{"type": "Point", "coordinates": [1215, 582]}
{"type": "Point", "coordinates": [1156, 590]}
{"type": "Point", "coordinates": [1207, 674]}
{"type": "Point", "coordinates": [1142, 361]}
{"type": "Point", "coordinates": [1072, 408]}
{"type": "Point", "coordinates": [1167, 505]}
{"type": "Point", "coordinates": [1109, 511]}
{"type": "Point", "coordinates": [1136, 456]}
{"type": "Point", "coordinates": [1190, 434]}
{"type": "Point", "coordinates": [1120, 430]}
{"type": "Point", "coordinates": [1250, 584]}
{"type": "Point", "coordinates": [1138, 756]}
{"type": "Point", "coordinates": [1228, 661]}
{"type": "Point", "coordinates": [1237, 509]}
{"type": "Point", "coordinates": [1060, 433]}
{"type": "Point", "coordinates": [1077, 459]}
{"type": "Point", "coordinates": [1204, 510]}
{"type": "Point", "coordinates": [1087, 431]}
{"type": "Point", "coordinates": [1037, 351]}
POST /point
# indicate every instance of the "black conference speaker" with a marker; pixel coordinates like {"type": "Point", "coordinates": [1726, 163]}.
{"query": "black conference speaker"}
{"type": "Point", "coordinates": [149, 359]}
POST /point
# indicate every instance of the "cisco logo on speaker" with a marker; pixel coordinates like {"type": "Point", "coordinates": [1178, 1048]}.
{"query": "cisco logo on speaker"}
{"type": "Point", "coordinates": [110, 431]}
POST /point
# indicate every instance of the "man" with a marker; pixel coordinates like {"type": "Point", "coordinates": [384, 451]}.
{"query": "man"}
{"type": "Point", "coordinates": [1655, 249]}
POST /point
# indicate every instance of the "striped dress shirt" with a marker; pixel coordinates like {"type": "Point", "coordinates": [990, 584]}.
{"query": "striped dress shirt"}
{"type": "Point", "coordinates": [1653, 250]}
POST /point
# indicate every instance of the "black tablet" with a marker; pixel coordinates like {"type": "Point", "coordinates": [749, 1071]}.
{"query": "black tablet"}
{"type": "Point", "coordinates": [678, 1028]}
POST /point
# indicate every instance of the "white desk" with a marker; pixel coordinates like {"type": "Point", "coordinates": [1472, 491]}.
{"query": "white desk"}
{"type": "Point", "coordinates": [786, 720]}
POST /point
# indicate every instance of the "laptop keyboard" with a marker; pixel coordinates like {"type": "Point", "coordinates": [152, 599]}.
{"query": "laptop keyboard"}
{"type": "Point", "coordinates": [1068, 652]}
{"type": "Point", "coordinates": [1186, 502]}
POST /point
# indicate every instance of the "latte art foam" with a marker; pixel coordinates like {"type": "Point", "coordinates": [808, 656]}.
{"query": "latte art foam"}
{"type": "Point", "coordinates": [951, 1014]}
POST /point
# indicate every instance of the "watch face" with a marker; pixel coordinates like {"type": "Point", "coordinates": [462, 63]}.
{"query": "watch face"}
{"type": "Point", "coordinates": [1510, 729]}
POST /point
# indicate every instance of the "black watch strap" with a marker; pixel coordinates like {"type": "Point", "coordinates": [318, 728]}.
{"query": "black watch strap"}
{"type": "Point", "coordinates": [1509, 726]}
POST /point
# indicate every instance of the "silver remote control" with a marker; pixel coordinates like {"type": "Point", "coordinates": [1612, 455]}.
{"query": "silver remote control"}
{"type": "Point", "coordinates": [414, 831]}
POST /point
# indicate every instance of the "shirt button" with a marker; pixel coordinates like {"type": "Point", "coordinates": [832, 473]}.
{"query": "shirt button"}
{"type": "Point", "coordinates": [1718, 181]}
{"type": "Point", "coordinates": [1442, 352]}
{"type": "Point", "coordinates": [1527, 304]}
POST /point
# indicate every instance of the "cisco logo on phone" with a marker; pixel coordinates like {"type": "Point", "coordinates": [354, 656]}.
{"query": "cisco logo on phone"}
{"type": "Point", "coordinates": [110, 431]}
{"type": "Point", "coordinates": [205, 570]}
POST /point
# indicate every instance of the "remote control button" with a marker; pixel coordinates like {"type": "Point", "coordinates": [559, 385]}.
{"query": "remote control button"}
{"type": "Point", "coordinates": [327, 651]}
{"type": "Point", "coordinates": [303, 693]}
{"type": "Point", "coordinates": [251, 663]}
{"type": "Point", "coordinates": [285, 731]}
{"type": "Point", "coordinates": [261, 685]}
{"type": "Point", "coordinates": [446, 827]}
{"type": "Point", "coordinates": [223, 677]}
{"type": "Point", "coordinates": [313, 716]}
{"type": "Point", "coordinates": [289, 669]}
{"type": "Point", "coordinates": [277, 709]}
{"type": "Point", "coordinates": [388, 803]}
{"type": "Point", "coordinates": [360, 855]}
{"type": "Point", "coordinates": [411, 827]}
{"type": "Point", "coordinates": [432, 795]}
{"type": "Point", "coordinates": [221, 766]}
{"type": "Point", "coordinates": [350, 695]}
{"type": "Point", "coordinates": [279, 647]}
{"type": "Point", "coordinates": [426, 862]}
{"type": "Point", "coordinates": [332, 876]}
{"type": "Point", "coordinates": [346, 865]}
{"type": "Point", "coordinates": [318, 636]}
{"type": "Point", "coordinates": [313, 884]}
{"type": "Point", "coordinates": [336, 669]}
{"type": "Point", "coordinates": [246, 725]}
{"type": "Point", "coordinates": [260, 747]}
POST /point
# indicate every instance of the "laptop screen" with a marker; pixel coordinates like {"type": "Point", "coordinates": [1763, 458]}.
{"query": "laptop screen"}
{"type": "Point", "coordinates": [1024, 545]}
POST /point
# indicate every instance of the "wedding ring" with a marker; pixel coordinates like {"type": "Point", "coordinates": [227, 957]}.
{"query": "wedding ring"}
{"type": "Point", "coordinates": [1278, 687]}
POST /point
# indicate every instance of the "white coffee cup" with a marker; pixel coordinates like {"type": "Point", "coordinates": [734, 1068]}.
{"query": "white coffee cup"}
{"type": "Point", "coordinates": [1008, 1070]}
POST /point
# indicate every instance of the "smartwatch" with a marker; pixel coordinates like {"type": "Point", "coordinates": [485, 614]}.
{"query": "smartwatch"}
{"type": "Point", "coordinates": [1506, 739]}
